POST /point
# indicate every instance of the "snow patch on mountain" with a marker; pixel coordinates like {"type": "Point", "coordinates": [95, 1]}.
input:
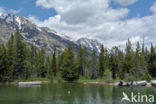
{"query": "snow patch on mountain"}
{"type": "Point", "coordinates": [3, 15]}
{"type": "Point", "coordinates": [41, 36]}
{"type": "Point", "coordinates": [59, 34]}
{"type": "Point", "coordinates": [90, 43]}
{"type": "Point", "coordinates": [18, 20]}
{"type": "Point", "coordinates": [9, 19]}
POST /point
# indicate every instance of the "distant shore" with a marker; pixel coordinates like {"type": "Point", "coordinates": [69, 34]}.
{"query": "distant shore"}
{"type": "Point", "coordinates": [93, 82]}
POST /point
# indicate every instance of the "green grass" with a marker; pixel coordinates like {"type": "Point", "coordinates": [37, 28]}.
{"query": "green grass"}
{"type": "Point", "coordinates": [83, 79]}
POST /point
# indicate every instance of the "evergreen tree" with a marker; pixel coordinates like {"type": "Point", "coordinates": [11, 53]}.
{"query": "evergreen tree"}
{"type": "Point", "coordinates": [114, 62]}
{"type": "Point", "coordinates": [27, 63]}
{"type": "Point", "coordinates": [137, 61]}
{"type": "Point", "coordinates": [106, 59]}
{"type": "Point", "coordinates": [101, 63]}
{"type": "Point", "coordinates": [11, 55]}
{"type": "Point", "coordinates": [5, 73]}
{"type": "Point", "coordinates": [69, 69]}
{"type": "Point", "coordinates": [129, 62]}
{"type": "Point", "coordinates": [143, 63]}
{"type": "Point", "coordinates": [33, 61]}
{"type": "Point", "coordinates": [152, 61]}
{"type": "Point", "coordinates": [85, 62]}
{"type": "Point", "coordinates": [80, 58]}
{"type": "Point", "coordinates": [41, 71]}
{"type": "Point", "coordinates": [54, 63]}
{"type": "Point", "coordinates": [18, 61]}
{"type": "Point", "coordinates": [20, 56]}
{"type": "Point", "coordinates": [93, 67]}
{"type": "Point", "coordinates": [48, 66]}
{"type": "Point", "coordinates": [121, 64]}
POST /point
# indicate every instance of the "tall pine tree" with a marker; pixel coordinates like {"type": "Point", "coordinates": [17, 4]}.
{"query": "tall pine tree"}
{"type": "Point", "coordinates": [20, 56]}
{"type": "Point", "coordinates": [54, 63]}
{"type": "Point", "coordinates": [69, 67]}
{"type": "Point", "coordinates": [101, 63]}
{"type": "Point", "coordinates": [93, 66]}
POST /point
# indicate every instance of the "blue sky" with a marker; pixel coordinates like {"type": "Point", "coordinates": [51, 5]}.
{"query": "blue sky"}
{"type": "Point", "coordinates": [140, 8]}
{"type": "Point", "coordinates": [28, 7]}
{"type": "Point", "coordinates": [111, 22]}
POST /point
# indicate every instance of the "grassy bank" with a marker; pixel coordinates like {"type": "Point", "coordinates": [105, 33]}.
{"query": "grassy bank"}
{"type": "Point", "coordinates": [58, 79]}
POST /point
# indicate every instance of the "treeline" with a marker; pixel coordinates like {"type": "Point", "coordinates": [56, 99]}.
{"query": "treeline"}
{"type": "Point", "coordinates": [19, 61]}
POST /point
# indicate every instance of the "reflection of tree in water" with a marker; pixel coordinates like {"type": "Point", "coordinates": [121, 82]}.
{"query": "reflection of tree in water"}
{"type": "Point", "coordinates": [94, 94]}
{"type": "Point", "coordinates": [79, 94]}
{"type": "Point", "coordinates": [115, 93]}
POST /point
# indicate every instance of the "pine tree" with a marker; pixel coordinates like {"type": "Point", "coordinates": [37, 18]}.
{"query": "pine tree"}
{"type": "Point", "coordinates": [33, 61]}
{"type": "Point", "coordinates": [41, 71]}
{"type": "Point", "coordinates": [20, 56]}
{"type": "Point", "coordinates": [129, 58]}
{"type": "Point", "coordinates": [5, 73]}
{"type": "Point", "coordinates": [121, 64]}
{"type": "Point", "coordinates": [106, 59]}
{"type": "Point", "coordinates": [101, 63]}
{"type": "Point", "coordinates": [54, 63]}
{"type": "Point", "coordinates": [152, 61]}
{"type": "Point", "coordinates": [27, 63]}
{"type": "Point", "coordinates": [143, 63]}
{"type": "Point", "coordinates": [85, 62]}
{"type": "Point", "coordinates": [11, 54]}
{"type": "Point", "coordinates": [93, 67]}
{"type": "Point", "coordinates": [48, 66]}
{"type": "Point", "coordinates": [80, 58]}
{"type": "Point", "coordinates": [114, 62]}
{"type": "Point", "coordinates": [69, 69]}
{"type": "Point", "coordinates": [137, 62]}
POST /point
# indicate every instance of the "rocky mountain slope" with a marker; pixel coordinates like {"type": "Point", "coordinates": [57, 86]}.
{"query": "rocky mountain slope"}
{"type": "Point", "coordinates": [90, 43]}
{"type": "Point", "coordinates": [39, 36]}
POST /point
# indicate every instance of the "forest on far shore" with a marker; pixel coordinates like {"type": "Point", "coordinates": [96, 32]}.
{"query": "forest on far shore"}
{"type": "Point", "coordinates": [19, 61]}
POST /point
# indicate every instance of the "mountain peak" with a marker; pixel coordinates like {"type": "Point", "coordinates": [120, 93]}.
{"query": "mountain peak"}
{"type": "Point", "coordinates": [40, 36]}
{"type": "Point", "coordinates": [90, 43]}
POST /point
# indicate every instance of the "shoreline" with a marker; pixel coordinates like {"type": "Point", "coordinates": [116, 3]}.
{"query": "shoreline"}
{"type": "Point", "coordinates": [85, 82]}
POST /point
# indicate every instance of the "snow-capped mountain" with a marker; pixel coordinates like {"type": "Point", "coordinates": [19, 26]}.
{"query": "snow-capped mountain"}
{"type": "Point", "coordinates": [90, 43]}
{"type": "Point", "coordinates": [40, 36]}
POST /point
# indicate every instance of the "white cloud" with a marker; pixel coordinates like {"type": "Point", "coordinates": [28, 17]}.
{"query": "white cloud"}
{"type": "Point", "coordinates": [79, 11]}
{"type": "Point", "coordinates": [2, 10]}
{"type": "Point", "coordinates": [45, 23]}
{"type": "Point", "coordinates": [12, 11]}
{"type": "Point", "coordinates": [126, 2]}
{"type": "Point", "coordinates": [153, 8]}
{"type": "Point", "coordinates": [6, 10]}
{"type": "Point", "coordinates": [96, 19]}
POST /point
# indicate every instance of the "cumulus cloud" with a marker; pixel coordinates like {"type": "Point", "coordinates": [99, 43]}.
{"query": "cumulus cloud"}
{"type": "Point", "coordinates": [47, 23]}
{"type": "Point", "coordinates": [96, 19]}
{"type": "Point", "coordinates": [153, 8]}
{"type": "Point", "coordinates": [80, 11]}
{"type": "Point", "coordinates": [126, 2]}
{"type": "Point", "coordinates": [2, 10]}
{"type": "Point", "coordinates": [6, 10]}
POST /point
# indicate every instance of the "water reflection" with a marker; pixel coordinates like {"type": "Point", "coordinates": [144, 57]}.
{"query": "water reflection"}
{"type": "Point", "coordinates": [26, 85]}
{"type": "Point", "coordinates": [58, 94]}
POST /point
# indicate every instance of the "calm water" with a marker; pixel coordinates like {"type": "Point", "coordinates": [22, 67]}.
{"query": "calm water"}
{"type": "Point", "coordinates": [59, 94]}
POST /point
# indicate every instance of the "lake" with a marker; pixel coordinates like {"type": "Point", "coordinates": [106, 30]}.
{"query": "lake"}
{"type": "Point", "coordinates": [69, 93]}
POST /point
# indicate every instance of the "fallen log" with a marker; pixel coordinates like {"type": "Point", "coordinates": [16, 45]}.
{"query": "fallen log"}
{"type": "Point", "coordinates": [29, 83]}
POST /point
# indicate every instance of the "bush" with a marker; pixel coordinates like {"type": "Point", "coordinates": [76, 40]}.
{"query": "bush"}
{"type": "Point", "coordinates": [147, 77]}
{"type": "Point", "coordinates": [129, 77]}
{"type": "Point", "coordinates": [108, 75]}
